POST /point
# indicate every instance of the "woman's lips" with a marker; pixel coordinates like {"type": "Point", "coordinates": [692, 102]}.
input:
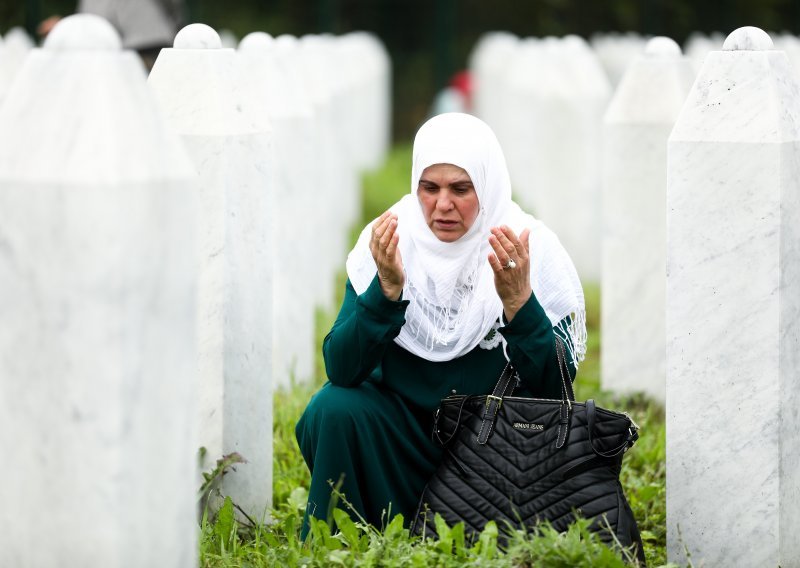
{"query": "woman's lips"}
{"type": "Point", "coordinates": [442, 224]}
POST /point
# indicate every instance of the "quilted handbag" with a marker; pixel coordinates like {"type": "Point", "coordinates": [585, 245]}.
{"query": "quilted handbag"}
{"type": "Point", "coordinates": [519, 461]}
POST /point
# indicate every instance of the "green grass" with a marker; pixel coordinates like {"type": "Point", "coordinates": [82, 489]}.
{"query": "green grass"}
{"type": "Point", "coordinates": [224, 543]}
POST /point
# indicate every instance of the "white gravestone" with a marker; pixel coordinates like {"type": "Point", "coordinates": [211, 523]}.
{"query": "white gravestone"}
{"type": "Point", "coordinates": [638, 122]}
{"type": "Point", "coordinates": [348, 67]}
{"type": "Point", "coordinates": [733, 311]}
{"type": "Point", "coordinates": [5, 81]}
{"type": "Point", "coordinates": [13, 51]}
{"type": "Point", "coordinates": [362, 59]}
{"type": "Point", "coordinates": [228, 39]}
{"type": "Point", "coordinates": [489, 63]}
{"type": "Point", "coordinates": [97, 351]}
{"type": "Point", "coordinates": [338, 180]}
{"type": "Point", "coordinates": [616, 52]}
{"type": "Point", "coordinates": [314, 176]}
{"type": "Point", "coordinates": [377, 81]}
{"type": "Point", "coordinates": [293, 290]}
{"type": "Point", "coordinates": [699, 45]}
{"type": "Point", "coordinates": [559, 94]}
{"type": "Point", "coordinates": [337, 71]}
{"type": "Point", "coordinates": [534, 82]}
{"type": "Point", "coordinates": [196, 84]}
{"type": "Point", "coordinates": [791, 45]}
{"type": "Point", "coordinates": [573, 209]}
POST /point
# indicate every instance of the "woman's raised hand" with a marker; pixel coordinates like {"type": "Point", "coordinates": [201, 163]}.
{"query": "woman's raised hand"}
{"type": "Point", "coordinates": [510, 262]}
{"type": "Point", "coordinates": [383, 246]}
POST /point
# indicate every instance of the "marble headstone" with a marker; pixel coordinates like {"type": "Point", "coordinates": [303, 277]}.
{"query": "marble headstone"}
{"type": "Point", "coordinates": [699, 45]}
{"type": "Point", "coordinates": [196, 84]}
{"type": "Point", "coordinates": [376, 80]}
{"type": "Point", "coordinates": [335, 195]}
{"type": "Point", "coordinates": [791, 45]}
{"type": "Point", "coordinates": [489, 63]}
{"type": "Point", "coordinates": [97, 350]}
{"type": "Point", "coordinates": [533, 84]}
{"type": "Point", "coordinates": [337, 68]}
{"type": "Point", "coordinates": [637, 125]}
{"type": "Point", "coordinates": [616, 52]}
{"type": "Point", "coordinates": [228, 39]}
{"type": "Point", "coordinates": [559, 93]}
{"type": "Point", "coordinates": [316, 210]}
{"type": "Point", "coordinates": [733, 311]}
{"type": "Point", "coordinates": [5, 81]}
{"type": "Point", "coordinates": [348, 66]}
{"type": "Point", "coordinates": [362, 58]}
{"type": "Point", "coordinates": [14, 48]}
{"type": "Point", "coordinates": [293, 277]}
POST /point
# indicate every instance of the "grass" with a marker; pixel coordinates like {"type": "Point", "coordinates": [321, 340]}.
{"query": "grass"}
{"type": "Point", "coordinates": [224, 543]}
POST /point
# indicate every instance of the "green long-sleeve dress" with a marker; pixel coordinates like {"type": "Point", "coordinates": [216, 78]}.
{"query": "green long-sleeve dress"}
{"type": "Point", "coordinates": [370, 425]}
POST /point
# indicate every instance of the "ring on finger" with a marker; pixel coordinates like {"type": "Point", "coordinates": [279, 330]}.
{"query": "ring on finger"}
{"type": "Point", "coordinates": [511, 264]}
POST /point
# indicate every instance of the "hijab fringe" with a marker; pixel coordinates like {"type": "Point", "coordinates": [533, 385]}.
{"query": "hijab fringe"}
{"type": "Point", "coordinates": [574, 336]}
{"type": "Point", "coordinates": [444, 323]}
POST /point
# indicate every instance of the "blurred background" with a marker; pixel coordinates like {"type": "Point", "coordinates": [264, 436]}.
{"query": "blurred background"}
{"type": "Point", "coordinates": [430, 40]}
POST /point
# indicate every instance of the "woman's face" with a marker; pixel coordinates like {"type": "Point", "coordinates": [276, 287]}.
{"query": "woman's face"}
{"type": "Point", "coordinates": [448, 199]}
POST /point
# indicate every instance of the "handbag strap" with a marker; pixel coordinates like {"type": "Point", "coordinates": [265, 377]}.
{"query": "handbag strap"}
{"type": "Point", "coordinates": [505, 386]}
{"type": "Point", "coordinates": [567, 393]}
{"type": "Point", "coordinates": [494, 401]}
{"type": "Point", "coordinates": [633, 433]}
{"type": "Point", "coordinates": [437, 432]}
{"type": "Point", "coordinates": [591, 409]}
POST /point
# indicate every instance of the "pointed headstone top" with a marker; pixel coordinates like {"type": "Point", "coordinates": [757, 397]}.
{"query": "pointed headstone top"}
{"type": "Point", "coordinates": [256, 41]}
{"type": "Point", "coordinates": [197, 36]}
{"type": "Point", "coordinates": [748, 38]}
{"type": "Point", "coordinates": [286, 42]}
{"type": "Point", "coordinates": [662, 47]}
{"type": "Point", "coordinates": [81, 32]}
{"type": "Point", "coordinates": [18, 38]}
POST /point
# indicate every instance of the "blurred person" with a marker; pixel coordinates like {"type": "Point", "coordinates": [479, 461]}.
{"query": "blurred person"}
{"type": "Point", "coordinates": [456, 97]}
{"type": "Point", "coordinates": [462, 82]}
{"type": "Point", "coordinates": [146, 26]}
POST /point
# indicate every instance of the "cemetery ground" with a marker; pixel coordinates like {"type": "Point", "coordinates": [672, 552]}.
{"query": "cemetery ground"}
{"type": "Point", "coordinates": [226, 543]}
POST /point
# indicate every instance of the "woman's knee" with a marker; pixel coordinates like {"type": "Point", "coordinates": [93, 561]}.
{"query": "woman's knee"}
{"type": "Point", "coordinates": [335, 408]}
{"type": "Point", "coordinates": [339, 403]}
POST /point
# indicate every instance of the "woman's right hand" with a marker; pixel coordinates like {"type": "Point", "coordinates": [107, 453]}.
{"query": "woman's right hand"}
{"type": "Point", "coordinates": [383, 246]}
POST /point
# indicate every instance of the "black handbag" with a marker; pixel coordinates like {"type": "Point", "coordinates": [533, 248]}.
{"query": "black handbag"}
{"type": "Point", "coordinates": [520, 461]}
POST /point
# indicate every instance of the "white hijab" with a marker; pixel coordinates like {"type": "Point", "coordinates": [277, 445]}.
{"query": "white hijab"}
{"type": "Point", "coordinates": [453, 301]}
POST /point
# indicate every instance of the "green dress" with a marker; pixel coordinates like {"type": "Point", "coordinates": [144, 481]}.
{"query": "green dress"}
{"type": "Point", "coordinates": [370, 425]}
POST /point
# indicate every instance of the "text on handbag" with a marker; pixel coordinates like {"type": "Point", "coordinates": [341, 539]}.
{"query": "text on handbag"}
{"type": "Point", "coordinates": [528, 426]}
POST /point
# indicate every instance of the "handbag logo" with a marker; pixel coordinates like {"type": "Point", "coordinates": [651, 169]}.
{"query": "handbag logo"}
{"type": "Point", "coordinates": [528, 426]}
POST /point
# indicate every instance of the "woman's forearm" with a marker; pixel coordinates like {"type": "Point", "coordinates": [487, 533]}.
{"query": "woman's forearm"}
{"type": "Point", "coordinates": [366, 324]}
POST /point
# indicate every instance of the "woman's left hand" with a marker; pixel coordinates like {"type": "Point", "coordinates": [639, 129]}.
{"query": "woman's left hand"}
{"type": "Point", "coordinates": [513, 285]}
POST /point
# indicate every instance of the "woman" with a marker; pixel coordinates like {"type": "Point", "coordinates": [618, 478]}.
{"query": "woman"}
{"type": "Point", "coordinates": [441, 288]}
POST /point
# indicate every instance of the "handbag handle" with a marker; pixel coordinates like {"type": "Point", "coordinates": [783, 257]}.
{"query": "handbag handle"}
{"type": "Point", "coordinates": [505, 386]}
{"type": "Point", "coordinates": [494, 401]}
{"type": "Point", "coordinates": [566, 381]}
